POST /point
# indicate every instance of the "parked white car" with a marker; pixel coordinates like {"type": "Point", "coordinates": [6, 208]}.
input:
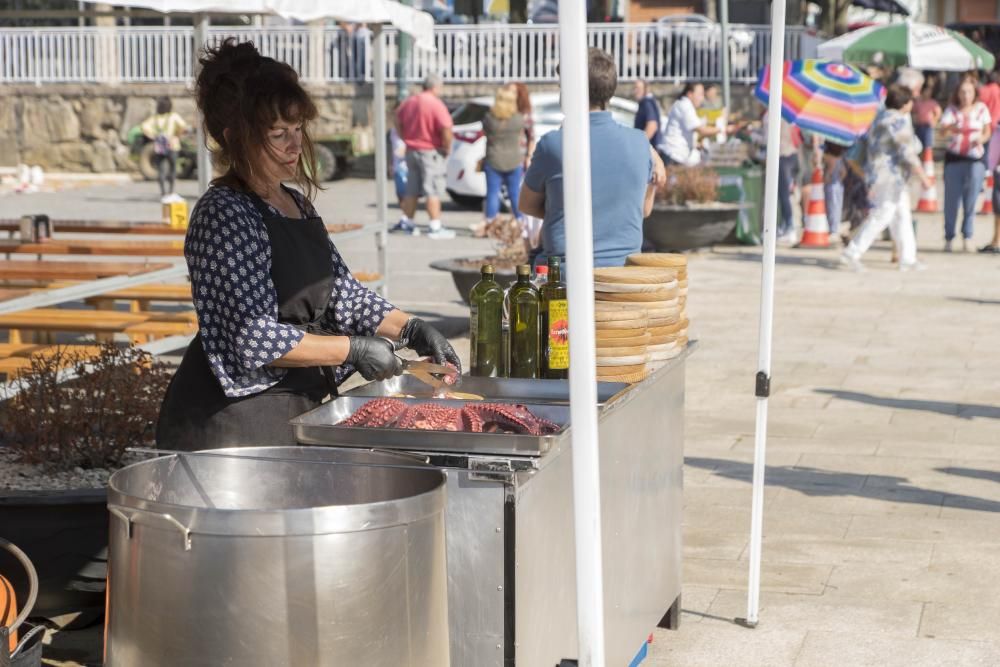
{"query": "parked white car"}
{"type": "Point", "coordinates": [466, 186]}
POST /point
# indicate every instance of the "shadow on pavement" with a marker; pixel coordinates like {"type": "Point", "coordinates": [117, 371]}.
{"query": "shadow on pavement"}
{"type": "Point", "coordinates": [975, 473]}
{"type": "Point", "coordinates": [979, 302]}
{"type": "Point", "coordinates": [816, 482]}
{"type": "Point", "coordinates": [819, 262]}
{"type": "Point", "coordinates": [963, 410]}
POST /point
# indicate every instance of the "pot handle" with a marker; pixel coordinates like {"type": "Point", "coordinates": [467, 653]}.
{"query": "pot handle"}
{"type": "Point", "coordinates": [128, 515]}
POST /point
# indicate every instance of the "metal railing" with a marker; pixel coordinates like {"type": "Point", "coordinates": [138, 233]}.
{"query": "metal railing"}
{"type": "Point", "coordinates": [481, 53]}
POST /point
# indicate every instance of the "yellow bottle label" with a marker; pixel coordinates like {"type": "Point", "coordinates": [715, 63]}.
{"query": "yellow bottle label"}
{"type": "Point", "coordinates": [558, 334]}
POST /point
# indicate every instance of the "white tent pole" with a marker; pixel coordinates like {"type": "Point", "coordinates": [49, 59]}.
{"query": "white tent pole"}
{"type": "Point", "coordinates": [724, 61]}
{"type": "Point", "coordinates": [204, 159]}
{"type": "Point", "coordinates": [381, 168]}
{"type": "Point", "coordinates": [763, 388]}
{"type": "Point", "coordinates": [582, 372]}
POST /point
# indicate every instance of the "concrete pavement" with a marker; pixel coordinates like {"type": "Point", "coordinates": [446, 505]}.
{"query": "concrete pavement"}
{"type": "Point", "coordinates": [883, 480]}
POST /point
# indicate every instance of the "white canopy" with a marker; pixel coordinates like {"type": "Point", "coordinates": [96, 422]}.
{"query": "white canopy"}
{"type": "Point", "coordinates": [414, 22]}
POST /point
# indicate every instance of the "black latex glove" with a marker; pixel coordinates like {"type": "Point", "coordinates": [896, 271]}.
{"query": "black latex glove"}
{"type": "Point", "coordinates": [374, 358]}
{"type": "Point", "coordinates": [427, 341]}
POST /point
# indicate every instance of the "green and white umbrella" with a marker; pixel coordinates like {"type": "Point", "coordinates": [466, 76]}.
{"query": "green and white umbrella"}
{"type": "Point", "coordinates": [917, 45]}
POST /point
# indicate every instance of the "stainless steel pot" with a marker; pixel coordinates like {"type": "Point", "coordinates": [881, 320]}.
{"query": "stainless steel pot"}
{"type": "Point", "coordinates": [228, 561]}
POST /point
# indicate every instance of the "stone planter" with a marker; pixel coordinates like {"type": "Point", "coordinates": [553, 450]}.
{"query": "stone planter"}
{"type": "Point", "coordinates": [65, 534]}
{"type": "Point", "coordinates": [671, 228]}
{"type": "Point", "coordinates": [467, 275]}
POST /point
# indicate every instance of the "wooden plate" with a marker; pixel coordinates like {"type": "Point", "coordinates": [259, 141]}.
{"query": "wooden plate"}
{"type": "Point", "coordinates": [682, 284]}
{"type": "Point", "coordinates": [639, 324]}
{"type": "Point", "coordinates": [661, 322]}
{"type": "Point", "coordinates": [628, 351]}
{"type": "Point", "coordinates": [623, 341]}
{"type": "Point", "coordinates": [613, 315]}
{"type": "Point", "coordinates": [659, 259]}
{"type": "Point", "coordinates": [637, 297]}
{"type": "Point", "coordinates": [630, 378]}
{"type": "Point", "coordinates": [633, 275]}
{"type": "Point", "coordinates": [644, 306]}
{"type": "Point", "coordinates": [682, 341]}
{"type": "Point", "coordinates": [608, 334]}
{"type": "Point", "coordinates": [663, 339]}
{"type": "Point", "coordinates": [666, 330]}
{"type": "Point", "coordinates": [631, 360]}
{"type": "Point", "coordinates": [630, 288]}
{"type": "Point", "coordinates": [604, 371]}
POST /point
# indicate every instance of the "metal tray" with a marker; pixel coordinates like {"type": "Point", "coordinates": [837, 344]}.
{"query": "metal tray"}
{"type": "Point", "coordinates": [319, 427]}
{"type": "Point", "coordinates": [493, 389]}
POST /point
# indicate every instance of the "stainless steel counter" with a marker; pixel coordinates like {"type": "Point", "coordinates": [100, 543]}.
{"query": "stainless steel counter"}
{"type": "Point", "coordinates": [509, 524]}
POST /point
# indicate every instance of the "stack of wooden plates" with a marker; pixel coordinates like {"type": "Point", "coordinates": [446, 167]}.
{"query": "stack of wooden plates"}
{"type": "Point", "coordinates": [656, 284]}
{"type": "Point", "coordinates": [622, 342]}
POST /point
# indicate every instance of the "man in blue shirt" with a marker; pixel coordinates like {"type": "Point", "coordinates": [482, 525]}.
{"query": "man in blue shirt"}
{"type": "Point", "coordinates": [647, 117]}
{"type": "Point", "coordinates": [625, 172]}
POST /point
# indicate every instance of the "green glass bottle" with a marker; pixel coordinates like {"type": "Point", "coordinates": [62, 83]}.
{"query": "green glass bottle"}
{"type": "Point", "coordinates": [555, 325]}
{"type": "Point", "coordinates": [485, 325]}
{"type": "Point", "coordinates": [525, 302]}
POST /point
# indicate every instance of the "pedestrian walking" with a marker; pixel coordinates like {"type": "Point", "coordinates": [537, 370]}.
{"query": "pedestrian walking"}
{"type": "Point", "coordinates": [926, 115]}
{"type": "Point", "coordinates": [425, 125]}
{"type": "Point", "coordinates": [164, 129]}
{"type": "Point", "coordinates": [503, 165]}
{"type": "Point", "coordinates": [398, 171]}
{"type": "Point", "coordinates": [647, 116]}
{"type": "Point", "coordinates": [967, 125]}
{"type": "Point", "coordinates": [891, 157]}
{"type": "Point", "coordinates": [834, 172]}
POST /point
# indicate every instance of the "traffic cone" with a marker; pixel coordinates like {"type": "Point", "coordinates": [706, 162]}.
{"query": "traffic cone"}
{"type": "Point", "coordinates": [816, 228]}
{"type": "Point", "coordinates": [928, 198]}
{"type": "Point", "coordinates": [987, 207]}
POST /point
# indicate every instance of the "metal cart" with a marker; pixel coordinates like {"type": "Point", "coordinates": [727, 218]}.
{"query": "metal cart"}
{"type": "Point", "coordinates": [509, 517]}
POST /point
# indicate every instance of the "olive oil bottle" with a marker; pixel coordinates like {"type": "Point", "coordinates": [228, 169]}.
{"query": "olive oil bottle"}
{"type": "Point", "coordinates": [555, 325]}
{"type": "Point", "coordinates": [524, 303]}
{"type": "Point", "coordinates": [485, 325]}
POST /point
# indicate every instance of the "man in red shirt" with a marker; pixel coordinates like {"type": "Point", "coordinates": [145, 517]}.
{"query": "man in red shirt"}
{"type": "Point", "coordinates": [424, 124]}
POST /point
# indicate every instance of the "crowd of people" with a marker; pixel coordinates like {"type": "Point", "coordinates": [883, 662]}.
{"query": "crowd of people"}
{"type": "Point", "coordinates": [866, 187]}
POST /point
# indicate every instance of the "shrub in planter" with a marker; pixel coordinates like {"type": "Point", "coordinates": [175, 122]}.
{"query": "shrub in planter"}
{"type": "Point", "coordinates": [687, 213]}
{"type": "Point", "coordinates": [64, 429]}
{"type": "Point", "coordinates": [509, 250]}
{"type": "Point", "coordinates": [90, 420]}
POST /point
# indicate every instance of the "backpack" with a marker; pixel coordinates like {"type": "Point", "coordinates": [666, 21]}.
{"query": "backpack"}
{"type": "Point", "coordinates": [161, 143]}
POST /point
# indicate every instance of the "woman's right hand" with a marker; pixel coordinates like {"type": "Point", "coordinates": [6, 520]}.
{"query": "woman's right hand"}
{"type": "Point", "coordinates": [374, 357]}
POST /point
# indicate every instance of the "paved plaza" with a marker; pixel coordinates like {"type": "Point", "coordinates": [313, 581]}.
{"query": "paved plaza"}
{"type": "Point", "coordinates": [881, 530]}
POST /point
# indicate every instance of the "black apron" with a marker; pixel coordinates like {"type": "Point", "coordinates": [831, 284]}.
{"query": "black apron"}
{"type": "Point", "coordinates": [196, 414]}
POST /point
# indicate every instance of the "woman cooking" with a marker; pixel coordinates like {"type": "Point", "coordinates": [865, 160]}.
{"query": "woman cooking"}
{"type": "Point", "coordinates": [281, 319]}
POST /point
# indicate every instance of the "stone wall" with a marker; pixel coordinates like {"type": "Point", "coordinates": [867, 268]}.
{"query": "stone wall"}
{"type": "Point", "coordinates": [70, 127]}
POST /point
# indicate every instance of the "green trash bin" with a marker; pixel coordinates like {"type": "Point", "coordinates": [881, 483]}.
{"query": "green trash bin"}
{"type": "Point", "coordinates": [745, 185]}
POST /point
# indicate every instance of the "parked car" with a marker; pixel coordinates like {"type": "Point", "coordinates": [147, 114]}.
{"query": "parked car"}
{"type": "Point", "coordinates": [334, 154]}
{"type": "Point", "coordinates": [686, 46]}
{"type": "Point", "coordinates": [466, 186]}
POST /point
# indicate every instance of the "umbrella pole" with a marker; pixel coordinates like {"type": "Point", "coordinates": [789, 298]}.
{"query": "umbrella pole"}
{"type": "Point", "coordinates": [763, 384]}
{"type": "Point", "coordinates": [381, 168]}
{"type": "Point", "coordinates": [582, 372]}
{"type": "Point", "coordinates": [204, 159]}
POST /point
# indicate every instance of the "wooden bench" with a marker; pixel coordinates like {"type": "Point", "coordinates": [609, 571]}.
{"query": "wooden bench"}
{"type": "Point", "coordinates": [48, 271]}
{"type": "Point", "coordinates": [16, 358]}
{"type": "Point", "coordinates": [139, 327]}
{"type": "Point", "coordinates": [74, 247]}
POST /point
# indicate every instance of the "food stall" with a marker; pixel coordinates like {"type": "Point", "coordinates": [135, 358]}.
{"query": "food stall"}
{"type": "Point", "coordinates": [509, 512]}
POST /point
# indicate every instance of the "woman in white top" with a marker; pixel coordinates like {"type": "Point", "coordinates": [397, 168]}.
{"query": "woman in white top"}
{"type": "Point", "coordinates": [967, 126]}
{"type": "Point", "coordinates": [164, 129]}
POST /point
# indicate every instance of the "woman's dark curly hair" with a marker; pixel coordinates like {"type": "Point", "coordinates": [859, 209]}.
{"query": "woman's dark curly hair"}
{"type": "Point", "coordinates": [241, 94]}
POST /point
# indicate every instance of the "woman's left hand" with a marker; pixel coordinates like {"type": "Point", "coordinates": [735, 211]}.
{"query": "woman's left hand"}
{"type": "Point", "coordinates": [427, 341]}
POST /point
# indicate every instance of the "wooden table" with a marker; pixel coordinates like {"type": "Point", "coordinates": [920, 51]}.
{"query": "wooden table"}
{"type": "Point", "coordinates": [126, 227]}
{"type": "Point", "coordinates": [140, 327]}
{"type": "Point", "coordinates": [43, 271]}
{"type": "Point", "coordinates": [87, 247]}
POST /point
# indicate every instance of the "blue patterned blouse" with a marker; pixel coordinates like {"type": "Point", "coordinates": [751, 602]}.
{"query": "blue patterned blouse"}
{"type": "Point", "coordinates": [229, 258]}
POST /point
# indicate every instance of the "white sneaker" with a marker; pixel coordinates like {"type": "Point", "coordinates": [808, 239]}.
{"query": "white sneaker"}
{"type": "Point", "coordinates": [915, 266]}
{"type": "Point", "coordinates": [966, 246]}
{"type": "Point", "coordinates": [435, 225]}
{"type": "Point", "coordinates": [166, 199]}
{"type": "Point", "coordinates": [441, 234]}
{"type": "Point", "coordinates": [852, 262]}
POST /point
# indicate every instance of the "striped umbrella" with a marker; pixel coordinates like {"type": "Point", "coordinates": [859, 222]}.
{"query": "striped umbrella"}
{"type": "Point", "coordinates": [918, 45]}
{"type": "Point", "coordinates": [833, 100]}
